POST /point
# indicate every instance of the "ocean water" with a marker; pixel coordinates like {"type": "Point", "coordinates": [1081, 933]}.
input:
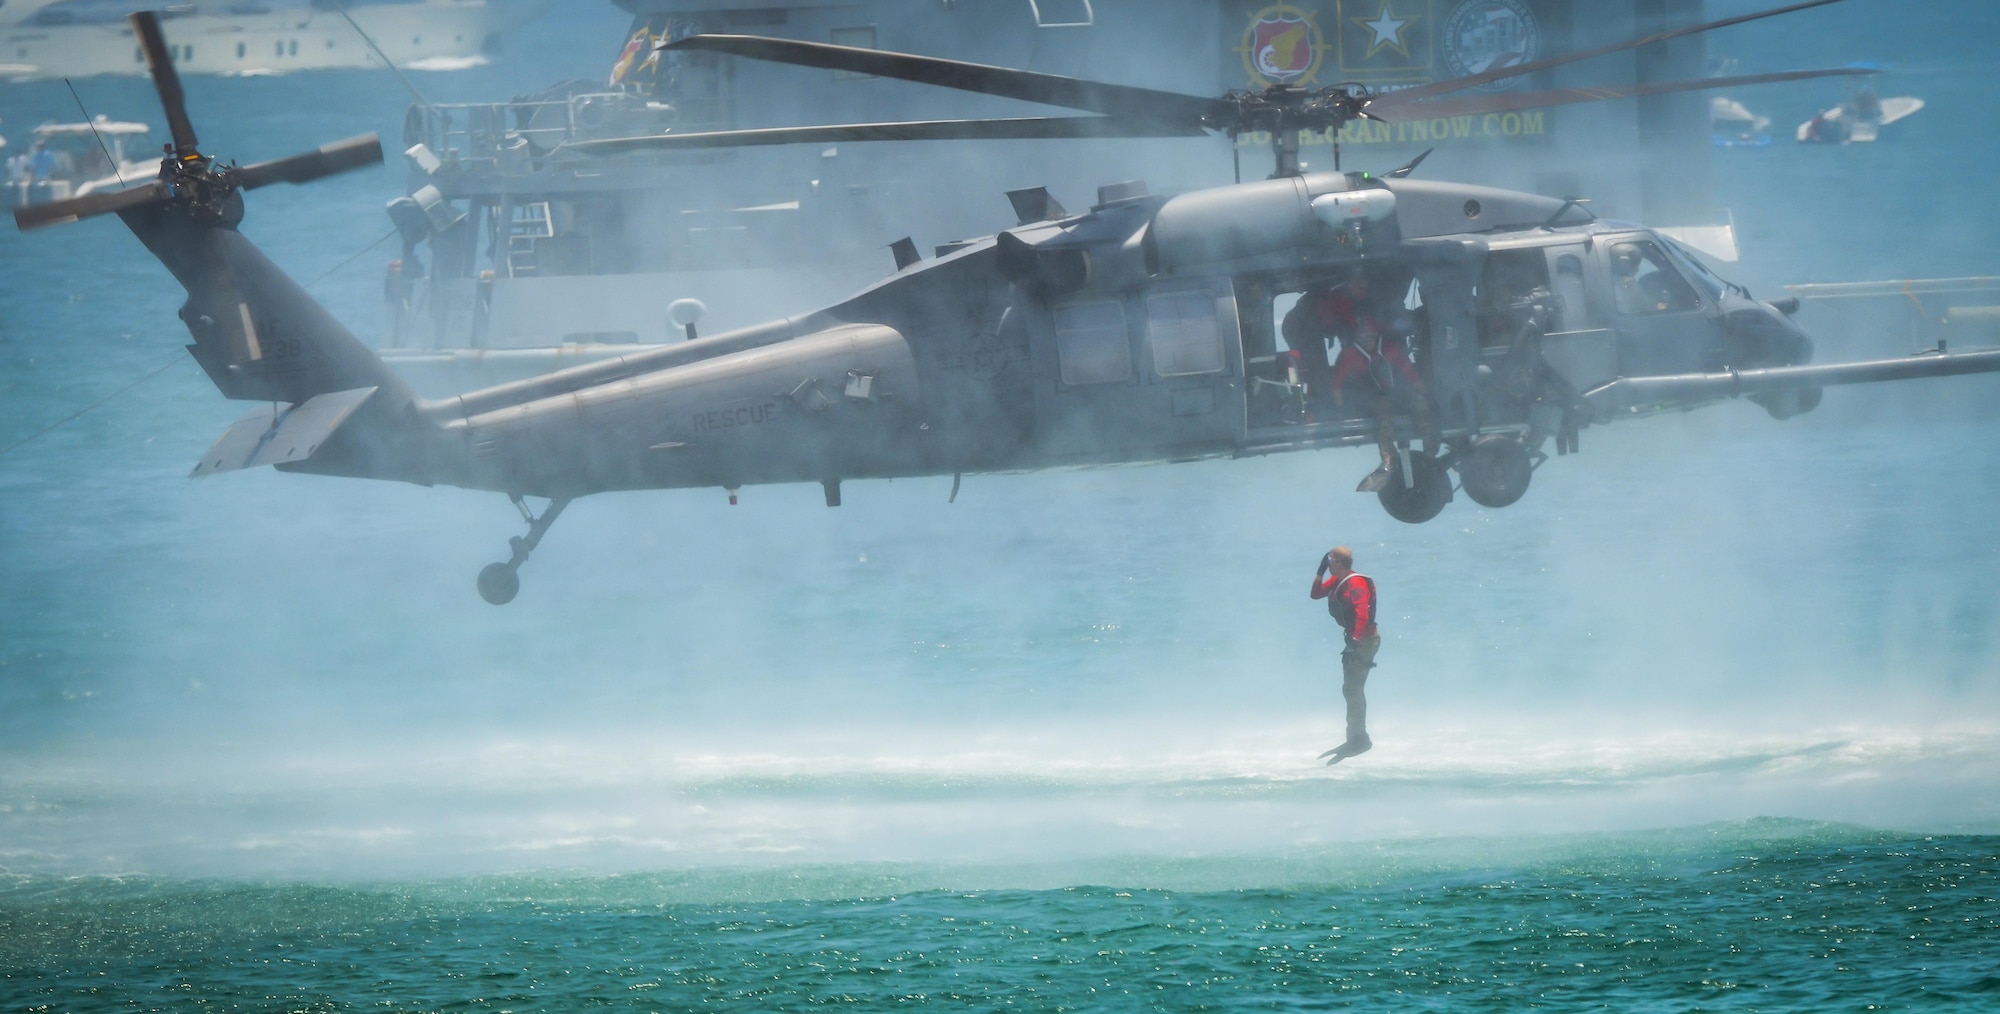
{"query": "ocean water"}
{"type": "Point", "coordinates": [1750, 916]}
{"type": "Point", "coordinates": [1707, 721]}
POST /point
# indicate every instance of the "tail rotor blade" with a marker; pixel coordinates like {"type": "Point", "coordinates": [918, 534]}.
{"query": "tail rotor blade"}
{"type": "Point", "coordinates": [166, 81]}
{"type": "Point", "coordinates": [57, 212]}
{"type": "Point", "coordinates": [338, 157]}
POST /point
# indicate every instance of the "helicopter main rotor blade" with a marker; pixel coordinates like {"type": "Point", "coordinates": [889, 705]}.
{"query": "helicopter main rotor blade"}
{"type": "Point", "coordinates": [166, 81]}
{"type": "Point", "coordinates": [326, 160]}
{"type": "Point", "coordinates": [1021, 128]}
{"type": "Point", "coordinates": [1031, 86]}
{"type": "Point", "coordinates": [36, 216]}
{"type": "Point", "coordinates": [1473, 105]}
{"type": "Point", "coordinates": [1502, 73]}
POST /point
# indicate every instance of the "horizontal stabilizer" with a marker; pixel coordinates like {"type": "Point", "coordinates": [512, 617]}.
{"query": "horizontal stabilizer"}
{"type": "Point", "coordinates": [281, 433]}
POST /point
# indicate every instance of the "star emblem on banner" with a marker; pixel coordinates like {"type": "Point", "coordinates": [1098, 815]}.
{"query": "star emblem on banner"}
{"type": "Point", "coordinates": [1388, 31]}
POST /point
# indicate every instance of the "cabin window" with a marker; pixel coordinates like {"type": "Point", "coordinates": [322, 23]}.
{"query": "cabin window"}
{"type": "Point", "coordinates": [1184, 333]}
{"type": "Point", "coordinates": [240, 50]}
{"type": "Point", "coordinates": [1646, 282]}
{"type": "Point", "coordinates": [1091, 346]}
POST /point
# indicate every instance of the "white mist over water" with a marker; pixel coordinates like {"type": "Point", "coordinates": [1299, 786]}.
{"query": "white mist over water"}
{"type": "Point", "coordinates": [1701, 618]}
{"type": "Point", "coordinates": [1055, 668]}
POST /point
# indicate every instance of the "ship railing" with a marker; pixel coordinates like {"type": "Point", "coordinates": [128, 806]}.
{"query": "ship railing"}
{"type": "Point", "coordinates": [491, 131]}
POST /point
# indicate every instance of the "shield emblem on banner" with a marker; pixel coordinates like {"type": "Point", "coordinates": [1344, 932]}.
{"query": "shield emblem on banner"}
{"type": "Point", "coordinates": [1281, 48]}
{"type": "Point", "coordinates": [1483, 35]}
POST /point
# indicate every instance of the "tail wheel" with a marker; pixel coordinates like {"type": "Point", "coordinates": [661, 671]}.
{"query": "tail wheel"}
{"type": "Point", "coordinates": [1429, 490]}
{"type": "Point", "coordinates": [1496, 470]}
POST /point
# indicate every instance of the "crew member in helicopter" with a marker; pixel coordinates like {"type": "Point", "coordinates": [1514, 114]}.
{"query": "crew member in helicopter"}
{"type": "Point", "coordinates": [1328, 311]}
{"type": "Point", "coordinates": [1640, 291]}
{"type": "Point", "coordinates": [1375, 359]}
{"type": "Point", "coordinates": [1350, 598]}
{"type": "Point", "coordinates": [1306, 329]}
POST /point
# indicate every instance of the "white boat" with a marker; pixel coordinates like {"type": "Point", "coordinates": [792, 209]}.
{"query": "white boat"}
{"type": "Point", "coordinates": [83, 158]}
{"type": "Point", "coordinates": [77, 38]}
{"type": "Point", "coordinates": [1733, 125]}
{"type": "Point", "coordinates": [1859, 119]}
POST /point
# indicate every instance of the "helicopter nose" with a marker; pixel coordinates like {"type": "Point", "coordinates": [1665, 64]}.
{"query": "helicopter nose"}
{"type": "Point", "coordinates": [1764, 335]}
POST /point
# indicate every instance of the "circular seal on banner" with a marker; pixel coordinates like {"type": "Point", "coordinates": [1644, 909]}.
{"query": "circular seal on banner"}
{"type": "Point", "coordinates": [1483, 35]}
{"type": "Point", "coordinates": [1282, 45]}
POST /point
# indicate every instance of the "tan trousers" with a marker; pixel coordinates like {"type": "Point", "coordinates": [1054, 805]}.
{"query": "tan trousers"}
{"type": "Point", "coordinates": [1385, 421]}
{"type": "Point", "coordinates": [1355, 661]}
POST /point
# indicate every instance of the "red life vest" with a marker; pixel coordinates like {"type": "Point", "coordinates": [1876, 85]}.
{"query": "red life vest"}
{"type": "Point", "coordinates": [1342, 610]}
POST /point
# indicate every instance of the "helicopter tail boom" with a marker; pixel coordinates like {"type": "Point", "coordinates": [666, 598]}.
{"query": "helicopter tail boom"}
{"type": "Point", "coordinates": [256, 332]}
{"type": "Point", "coordinates": [335, 407]}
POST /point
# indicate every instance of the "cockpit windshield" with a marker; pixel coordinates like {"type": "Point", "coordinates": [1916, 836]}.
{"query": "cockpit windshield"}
{"type": "Point", "coordinates": [1710, 282]}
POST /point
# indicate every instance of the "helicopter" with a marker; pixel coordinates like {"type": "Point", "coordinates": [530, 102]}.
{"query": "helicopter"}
{"type": "Point", "coordinates": [1141, 330]}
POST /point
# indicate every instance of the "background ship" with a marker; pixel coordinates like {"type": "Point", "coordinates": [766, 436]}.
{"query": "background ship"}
{"type": "Point", "coordinates": [79, 38]}
{"type": "Point", "coordinates": [528, 256]}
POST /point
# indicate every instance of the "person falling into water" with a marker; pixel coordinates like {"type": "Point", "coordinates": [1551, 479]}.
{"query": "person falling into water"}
{"type": "Point", "coordinates": [1351, 600]}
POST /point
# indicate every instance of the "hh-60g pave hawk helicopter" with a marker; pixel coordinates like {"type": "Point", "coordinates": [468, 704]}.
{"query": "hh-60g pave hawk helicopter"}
{"type": "Point", "coordinates": [1141, 330]}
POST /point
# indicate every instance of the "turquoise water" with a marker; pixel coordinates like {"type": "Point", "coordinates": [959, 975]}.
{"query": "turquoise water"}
{"type": "Point", "coordinates": [1707, 721]}
{"type": "Point", "coordinates": [1745, 917]}
{"type": "Point", "coordinates": [1755, 916]}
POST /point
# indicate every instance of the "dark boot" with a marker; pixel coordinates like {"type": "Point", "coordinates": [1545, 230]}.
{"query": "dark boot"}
{"type": "Point", "coordinates": [1351, 748]}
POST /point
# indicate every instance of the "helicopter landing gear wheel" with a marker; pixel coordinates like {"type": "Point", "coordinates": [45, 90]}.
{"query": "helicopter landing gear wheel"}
{"type": "Point", "coordinates": [500, 582]}
{"type": "Point", "coordinates": [1496, 471]}
{"type": "Point", "coordinates": [1425, 494]}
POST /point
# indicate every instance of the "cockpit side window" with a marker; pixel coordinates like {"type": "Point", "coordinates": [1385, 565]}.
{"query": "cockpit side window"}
{"type": "Point", "coordinates": [1645, 281]}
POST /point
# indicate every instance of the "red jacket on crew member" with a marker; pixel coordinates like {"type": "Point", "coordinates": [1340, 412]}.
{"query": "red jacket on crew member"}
{"type": "Point", "coordinates": [1356, 355]}
{"type": "Point", "coordinates": [1353, 602]}
{"type": "Point", "coordinates": [1363, 337]}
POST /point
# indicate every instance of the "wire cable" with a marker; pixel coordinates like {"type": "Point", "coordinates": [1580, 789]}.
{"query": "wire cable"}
{"type": "Point", "coordinates": [93, 132]}
{"type": "Point", "coordinates": [79, 413]}
{"type": "Point", "coordinates": [357, 256]}
{"type": "Point", "coordinates": [162, 368]}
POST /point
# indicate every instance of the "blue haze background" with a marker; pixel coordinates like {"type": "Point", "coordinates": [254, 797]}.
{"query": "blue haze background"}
{"type": "Point", "coordinates": [1707, 719]}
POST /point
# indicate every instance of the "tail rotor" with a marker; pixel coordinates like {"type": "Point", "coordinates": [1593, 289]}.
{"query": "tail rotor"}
{"type": "Point", "coordinates": [188, 177]}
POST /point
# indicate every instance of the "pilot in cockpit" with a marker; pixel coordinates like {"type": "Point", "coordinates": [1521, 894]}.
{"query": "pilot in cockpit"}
{"type": "Point", "coordinates": [1642, 283]}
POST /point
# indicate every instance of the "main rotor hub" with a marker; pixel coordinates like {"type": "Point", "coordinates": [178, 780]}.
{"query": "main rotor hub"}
{"type": "Point", "coordinates": [1281, 108]}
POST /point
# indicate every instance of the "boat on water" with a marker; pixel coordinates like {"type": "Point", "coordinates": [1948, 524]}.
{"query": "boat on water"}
{"type": "Point", "coordinates": [1733, 125]}
{"type": "Point", "coordinates": [74, 159]}
{"type": "Point", "coordinates": [44, 39]}
{"type": "Point", "coordinates": [1858, 120]}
